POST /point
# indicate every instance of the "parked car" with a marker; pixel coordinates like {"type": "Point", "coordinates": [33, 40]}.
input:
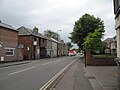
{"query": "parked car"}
{"type": "Point", "coordinates": [72, 53]}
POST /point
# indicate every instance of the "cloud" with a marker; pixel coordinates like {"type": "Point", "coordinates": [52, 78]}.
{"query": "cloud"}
{"type": "Point", "coordinates": [56, 14]}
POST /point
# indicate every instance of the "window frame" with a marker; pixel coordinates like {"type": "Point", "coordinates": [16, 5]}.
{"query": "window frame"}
{"type": "Point", "coordinates": [7, 49]}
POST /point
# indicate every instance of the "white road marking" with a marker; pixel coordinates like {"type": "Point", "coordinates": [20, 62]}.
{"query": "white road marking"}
{"type": "Point", "coordinates": [46, 63]}
{"type": "Point", "coordinates": [21, 70]}
{"type": "Point", "coordinates": [54, 78]}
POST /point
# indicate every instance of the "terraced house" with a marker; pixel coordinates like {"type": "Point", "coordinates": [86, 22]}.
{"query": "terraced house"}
{"type": "Point", "coordinates": [9, 47]}
{"type": "Point", "coordinates": [65, 49]}
{"type": "Point", "coordinates": [33, 43]}
{"type": "Point", "coordinates": [62, 48]}
{"type": "Point", "coordinates": [54, 47]}
{"type": "Point", "coordinates": [49, 47]}
{"type": "Point", "coordinates": [27, 44]}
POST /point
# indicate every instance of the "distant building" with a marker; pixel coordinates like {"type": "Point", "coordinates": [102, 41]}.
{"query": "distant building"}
{"type": "Point", "coordinates": [108, 44]}
{"type": "Point", "coordinates": [61, 48]}
{"type": "Point", "coordinates": [65, 49]}
{"type": "Point", "coordinates": [54, 47]}
{"type": "Point", "coordinates": [9, 47]}
{"type": "Point", "coordinates": [111, 45]}
{"type": "Point", "coordinates": [114, 46]}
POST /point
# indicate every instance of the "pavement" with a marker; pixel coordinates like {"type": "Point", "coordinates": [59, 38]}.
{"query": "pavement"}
{"type": "Point", "coordinates": [80, 77]}
{"type": "Point", "coordinates": [7, 64]}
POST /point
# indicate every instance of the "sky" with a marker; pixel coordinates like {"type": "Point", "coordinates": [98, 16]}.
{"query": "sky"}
{"type": "Point", "coordinates": [56, 14]}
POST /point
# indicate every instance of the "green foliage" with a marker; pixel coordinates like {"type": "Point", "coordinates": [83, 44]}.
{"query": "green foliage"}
{"type": "Point", "coordinates": [93, 40]}
{"type": "Point", "coordinates": [69, 45]}
{"type": "Point", "coordinates": [52, 34]}
{"type": "Point", "coordinates": [85, 25]}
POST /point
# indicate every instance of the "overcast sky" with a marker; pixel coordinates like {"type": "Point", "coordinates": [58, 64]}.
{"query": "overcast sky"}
{"type": "Point", "coordinates": [56, 14]}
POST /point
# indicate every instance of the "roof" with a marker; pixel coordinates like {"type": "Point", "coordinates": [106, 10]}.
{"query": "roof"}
{"type": "Point", "coordinates": [54, 40]}
{"type": "Point", "coordinates": [108, 40]}
{"type": "Point", "coordinates": [7, 26]}
{"type": "Point", "coordinates": [26, 31]}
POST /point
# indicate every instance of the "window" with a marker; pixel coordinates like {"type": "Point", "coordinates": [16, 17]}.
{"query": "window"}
{"type": "Point", "coordinates": [43, 40]}
{"type": "Point", "coordinates": [35, 38]}
{"type": "Point", "coordinates": [9, 51]}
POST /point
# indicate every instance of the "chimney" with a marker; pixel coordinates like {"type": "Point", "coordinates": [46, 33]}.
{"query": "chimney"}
{"type": "Point", "coordinates": [35, 30]}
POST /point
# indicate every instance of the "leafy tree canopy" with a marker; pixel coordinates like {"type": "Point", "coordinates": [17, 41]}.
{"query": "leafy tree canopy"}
{"type": "Point", "coordinates": [52, 34]}
{"type": "Point", "coordinates": [85, 25]}
{"type": "Point", "coordinates": [93, 40]}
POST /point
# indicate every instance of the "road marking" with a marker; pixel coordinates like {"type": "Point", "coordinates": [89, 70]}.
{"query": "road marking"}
{"type": "Point", "coordinates": [21, 71]}
{"type": "Point", "coordinates": [54, 78]}
{"type": "Point", "coordinates": [46, 63]}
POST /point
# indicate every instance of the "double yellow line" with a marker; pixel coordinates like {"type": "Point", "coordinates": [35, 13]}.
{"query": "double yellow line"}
{"type": "Point", "coordinates": [49, 84]}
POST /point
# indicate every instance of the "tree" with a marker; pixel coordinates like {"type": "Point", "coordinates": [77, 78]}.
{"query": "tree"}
{"type": "Point", "coordinates": [52, 34]}
{"type": "Point", "coordinates": [86, 24]}
{"type": "Point", "coordinates": [69, 45]}
{"type": "Point", "coordinates": [93, 40]}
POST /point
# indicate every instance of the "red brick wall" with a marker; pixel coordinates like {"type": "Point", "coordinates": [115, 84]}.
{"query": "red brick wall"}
{"type": "Point", "coordinates": [43, 44]}
{"type": "Point", "coordinates": [9, 38]}
{"type": "Point", "coordinates": [27, 41]}
{"type": "Point", "coordinates": [88, 57]}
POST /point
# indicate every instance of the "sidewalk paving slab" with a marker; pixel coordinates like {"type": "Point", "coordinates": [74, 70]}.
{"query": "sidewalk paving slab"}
{"type": "Point", "coordinates": [74, 79]}
{"type": "Point", "coordinates": [105, 75]}
{"type": "Point", "coordinates": [80, 77]}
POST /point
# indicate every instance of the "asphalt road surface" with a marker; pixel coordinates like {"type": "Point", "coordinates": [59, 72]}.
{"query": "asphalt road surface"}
{"type": "Point", "coordinates": [32, 76]}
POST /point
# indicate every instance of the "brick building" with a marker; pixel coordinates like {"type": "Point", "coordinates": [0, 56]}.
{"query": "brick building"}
{"type": "Point", "coordinates": [43, 47]}
{"type": "Point", "coordinates": [33, 43]}
{"type": "Point", "coordinates": [9, 48]}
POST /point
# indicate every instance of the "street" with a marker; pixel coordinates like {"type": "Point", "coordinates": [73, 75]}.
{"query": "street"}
{"type": "Point", "coordinates": [32, 76]}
